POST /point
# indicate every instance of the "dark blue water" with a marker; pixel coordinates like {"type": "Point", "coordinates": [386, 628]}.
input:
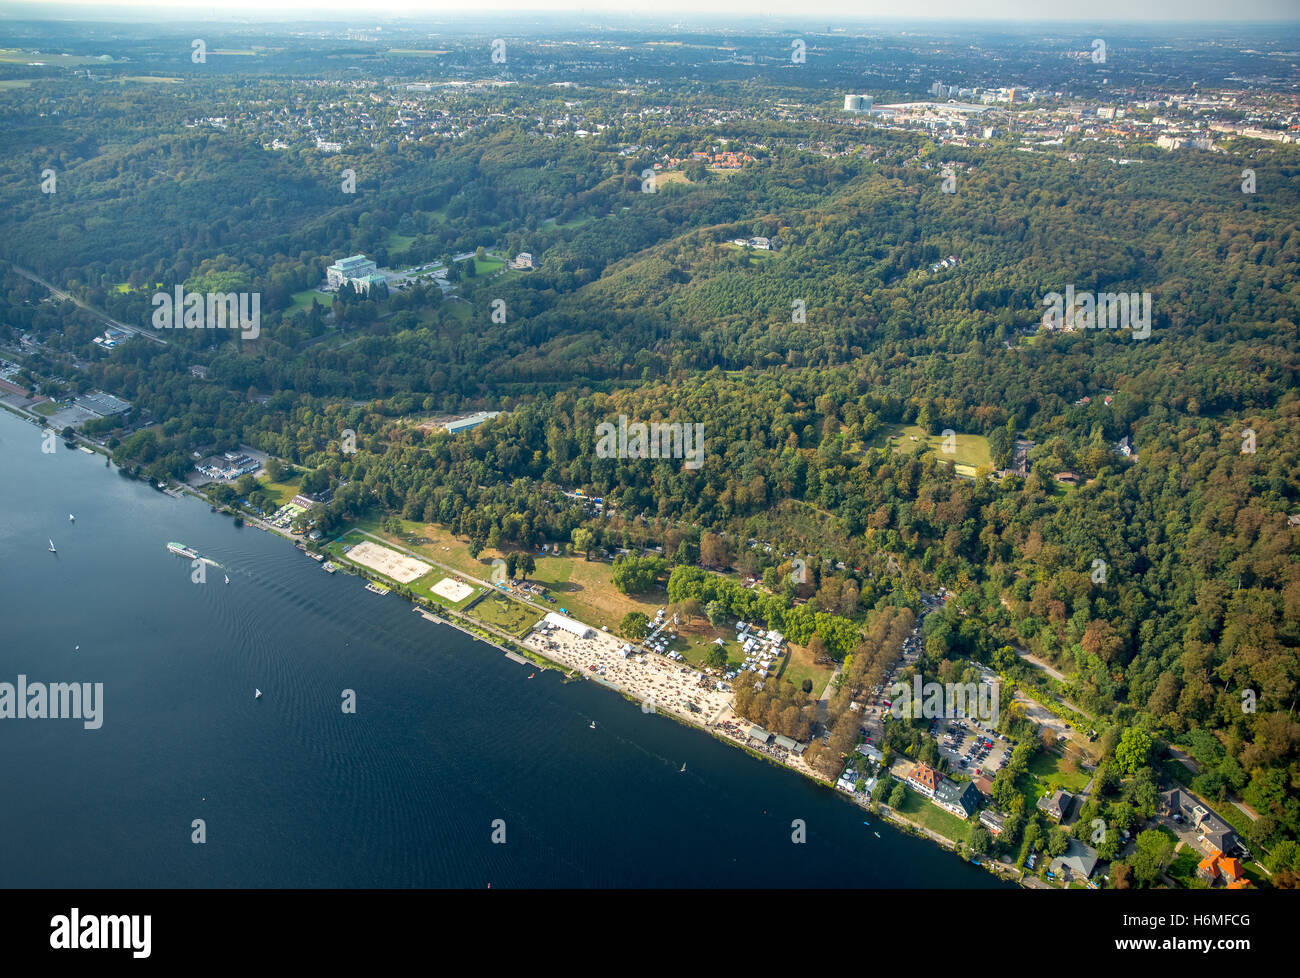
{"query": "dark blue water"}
{"type": "Point", "coordinates": [449, 735]}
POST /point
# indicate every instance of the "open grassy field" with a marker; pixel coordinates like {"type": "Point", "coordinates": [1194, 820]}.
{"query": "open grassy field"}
{"type": "Point", "coordinates": [934, 818]}
{"type": "Point", "coordinates": [1045, 775]}
{"type": "Point", "coordinates": [664, 177]}
{"type": "Point", "coordinates": [303, 300]}
{"type": "Point", "coordinates": [398, 242]}
{"type": "Point", "coordinates": [577, 222]}
{"type": "Point", "coordinates": [971, 451]}
{"type": "Point", "coordinates": [18, 56]}
{"type": "Point", "coordinates": [459, 309]}
{"type": "Point", "coordinates": [509, 616]}
{"type": "Point", "coordinates": [283, 491]}
{"type": "Point", "coordinates": [800, 666]}
{"type": "Point", "coordinates": [487, 266]}
{"type": "Point", "coordinates": [45, 407]}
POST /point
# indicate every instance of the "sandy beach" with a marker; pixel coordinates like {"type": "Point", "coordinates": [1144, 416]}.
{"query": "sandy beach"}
{"type": "Point", "coordinates": [658, 683]}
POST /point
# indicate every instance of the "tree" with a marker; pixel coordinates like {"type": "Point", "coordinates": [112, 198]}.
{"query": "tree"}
{"type": "Point", "coordinates": [527, 564]}
{"type": "Point", "coordinates": [1121, 876]}
{"type": "Point", "coordinates": [980, 839]}
{"type": "Point", "coordinates": [512, 562]}
{"type": "Point", "coordinates": [897, 796]}
{"type": "Point", "coordinates": [806, 685]}
{"type": "Point", "coordinates": [634, 575]}
{"type": "Point", "coordinates": [716, 612]}
{"type": "Point", "coordinates": [1154, 850]}
{"type": "Point", "coordinates": [582, 540]}
{"type": "Point", "coordinates": [716, 656]}
{"type": "Point", "coordinates": [713, 551]}
{"type": "Point", "coordinates": [635, 625]}
{"type": "Point", "coordinates": [1133, 751]}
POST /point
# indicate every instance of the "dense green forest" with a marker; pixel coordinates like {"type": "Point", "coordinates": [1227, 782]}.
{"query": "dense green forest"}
{"type": "Point", "coordinates": [639, 305]}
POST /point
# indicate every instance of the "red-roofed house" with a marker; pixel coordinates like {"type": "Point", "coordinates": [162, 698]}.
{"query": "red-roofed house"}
{"type": "Point", "coordinates": [924, 779]}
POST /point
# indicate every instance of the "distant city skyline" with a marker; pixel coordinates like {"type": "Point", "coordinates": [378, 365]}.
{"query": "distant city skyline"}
{"type": "Point", "coordinates": [1017, 11]}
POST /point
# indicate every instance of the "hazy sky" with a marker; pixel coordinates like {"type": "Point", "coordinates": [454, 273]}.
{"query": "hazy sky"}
{"type": "Point", "coordinates": [799, 10]}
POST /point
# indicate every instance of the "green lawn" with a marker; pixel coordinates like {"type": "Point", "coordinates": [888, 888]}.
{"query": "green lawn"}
{"type": "Point", "coordinates": [926, 813]}
{"type": "Point", "coordinates": [303, 300]}
{"type": "Point", "coordinates": [283, 491]}
{"type": "Point", "coordinates": [18, 56]}
{"type": "Point", "coordinates": [970, 451]}
{"type": "Point", "coordinates": [487, 266]}
{"type": "Point", "coordinates": [46, 408]}
{"type": "Point", "coordinates": [398, 242]}
{"type": "Point", "coordinates": [1045, 776]}
{"type": "Point", "coordinates": [696, 648]}
{"type": "Point", "coordinates": [1183, 869]}
{"type": "Point", "coordinates": [459, 309]}
{"type": "Point", "coordinates": [577, 222]}
{"type": "Point", "coordinates": [799, 666]}
{"type": "Point", "coordinates": [509, 616]}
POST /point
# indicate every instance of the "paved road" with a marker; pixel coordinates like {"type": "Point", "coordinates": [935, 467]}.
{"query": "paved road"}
{"type": "Point", "coordinates": [73, 299]}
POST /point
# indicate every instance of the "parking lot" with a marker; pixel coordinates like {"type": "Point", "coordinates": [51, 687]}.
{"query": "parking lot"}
{"type": "Point", "coordinates": [971, 748]}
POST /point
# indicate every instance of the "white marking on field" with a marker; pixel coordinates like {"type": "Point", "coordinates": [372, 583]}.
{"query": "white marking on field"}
{"type": "Point", "coordinates": [452, 590]}
{"type": "Point", "coordinates": [390, 563]}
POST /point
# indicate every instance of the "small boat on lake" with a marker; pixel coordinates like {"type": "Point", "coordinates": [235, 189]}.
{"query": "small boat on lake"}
{"type": "Point", "coordinates": [52, 550]}
{"type": "Point", "coordinates": [257, 694]}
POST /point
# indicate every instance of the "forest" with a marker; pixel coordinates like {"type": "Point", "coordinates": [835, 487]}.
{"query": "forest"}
{"type": "Point", "coordinates": [640, 305]}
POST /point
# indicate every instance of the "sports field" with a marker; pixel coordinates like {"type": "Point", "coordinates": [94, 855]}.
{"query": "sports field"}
{"type": "Point", "coordinates": [453, 590]}
{"type": "Point", "coordinates": [390, 563]}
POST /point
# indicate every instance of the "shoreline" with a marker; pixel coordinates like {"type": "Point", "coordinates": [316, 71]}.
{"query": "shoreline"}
{"type": "Point", "coordinates": [723, 724]}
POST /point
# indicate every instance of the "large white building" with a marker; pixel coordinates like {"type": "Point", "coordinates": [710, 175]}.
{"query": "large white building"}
{"type": "Point", "coordinates": [355, 270]}
{"type": "Point", "coordinates": [556, 620]}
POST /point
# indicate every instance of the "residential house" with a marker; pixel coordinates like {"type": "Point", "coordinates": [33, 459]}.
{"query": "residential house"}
{"type": "Point", "coordinates": [962, 800]}
{"type": "Point", "coordinates": [1056, 805]}
{"type": "Point", "coordinates": [924, 779]}
{"type": "Point", "coordinates": [1078, 862]}
{"type": "Point", "coordinates": [992, 821]}
{"type": "Point", "coordinates": [1216, 833]}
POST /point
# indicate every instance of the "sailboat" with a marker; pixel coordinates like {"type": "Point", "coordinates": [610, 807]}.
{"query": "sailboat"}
{"type": "Point", "coordinates": [257, 694]}
{"type": "Point", "coordinates": [593, 724]}
{"type": "Point", "coordinates": [531, 675]}
{"type": "Point", "coordinates": [227, 576]}
{"type": "Point", "coordinates": [71, 518]}
{"type": "Point", "coordinates": [683, 769]}
{"type": "Point", "coordinates": [52, 550]}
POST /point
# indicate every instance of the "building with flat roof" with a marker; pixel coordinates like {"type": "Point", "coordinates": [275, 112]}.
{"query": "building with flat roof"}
{"type": "Point", "coordinates": [465, 424]}
{"type": "Point", "coordinates": [557, 620]}
{"type": "Point", "coordinates": [352, 269]}
{"type": "Point", "coordinates": [102, 405]}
